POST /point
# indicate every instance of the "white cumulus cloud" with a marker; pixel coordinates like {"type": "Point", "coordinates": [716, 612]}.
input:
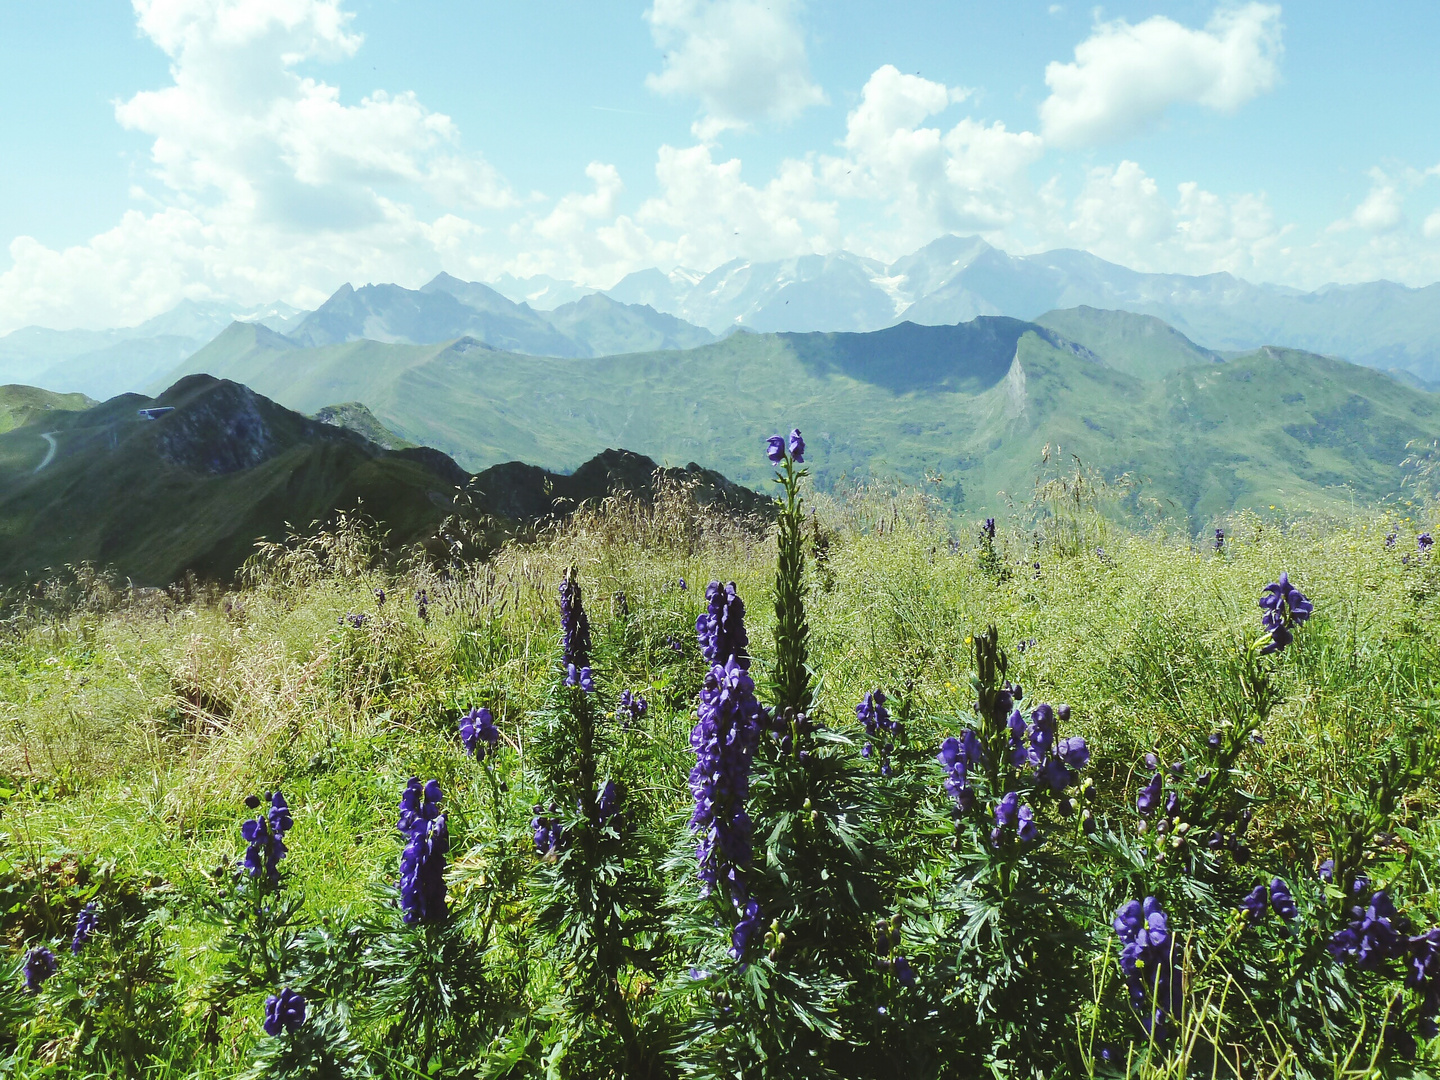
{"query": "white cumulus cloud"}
{"type": "Point", "coordinates": [1125, 76]}
{"type": "Point", "coordinates": [1381, 210]}
{"type": "Point", "coordinates": [744, 59]}
{"type": "Point", "coordinates": [973, 177]}
{"type": "Point", "coordinates": [268, 184]}
{"type": "Point", "coordinates": [1122, 215]}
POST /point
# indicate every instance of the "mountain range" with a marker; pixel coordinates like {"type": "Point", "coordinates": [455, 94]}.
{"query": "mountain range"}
{"type": "Point", "coordinates": [953, 279]}
{"type": "Point", "coordinates": [969, 408]}
{"type": "Point", "coordinates": [102, 363]}
{"type": "Point", "coordinates": [191, 479]}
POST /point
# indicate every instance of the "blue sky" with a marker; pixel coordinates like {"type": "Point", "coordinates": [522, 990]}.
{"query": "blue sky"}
{"type": "Point", "coordinates": [260, 149]}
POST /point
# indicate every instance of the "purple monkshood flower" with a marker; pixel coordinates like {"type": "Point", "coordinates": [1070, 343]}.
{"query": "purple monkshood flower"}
{"type": "Point", "coordinates": [478, 733]}
{"type": "Point", "coordinates": [745, 930]}
{"type": "Point", "coordinates": [549, 833]}
{"type": "Point", "coordinates": [631, 709]}
{"type": "Point", "coordinates": [988, 529]}
{"type": "Point", "coordinates": [574, 625]}
{"type": "Point", "coordinates": [720, 629]}
{"type": "Point", "coordinates": [1285, 608]}
{"type": "Point", "coordinates": [581, 677]}
{"type": "Point", "coordinates": [84, 926]}
{"type": "Point", "coordinates": [264, 837]}
{"type": "Point", "coordinates": [904, 973]}
{"type": "Point", "coordinates": [683, 586]}
{"type": "Point", "coordinates": [422, 863]}
{"type": "Point", "coordinates": [1074, 752]}
{"type": "Point", "coordinates": [1147, 959]}
{"type": "Point", "coordinates": [724, 739]}
{"type": "Point", "coordinates": [1007, 809]}
{"type": "Point", "coordinates": [1219, 539]}
{"type": "Point", "coordinates": [1010, 812]}
{"type": "Point", "coordinates": [1025, 826]}
{"type": "Point", "coordinates": [1256, 903]}
{"type": "Point", "coordinates": [1281, 900]}
{"type": "Point", "coordinates": [284, 1011]}
{"type": "Point", "coordinates": [40, 964]}
{"type": "Point", "coordinates": [1422, 974]}
{"type": "Point", "coordinates": [1424, 542]}
{"type": "Point", "coordinates": [1390, 540]}
{"type": "Point", "coordinates": [607, 806]}
{"type": "Point", "coordinates": [1326, 872]}
{"type": "Point", "coordinates": [796, 446]}
{"type": "Point", "coordinates": [958, 756]}
{"type": "Point", "coordinates": [1019, 753]}
{"type": "Point", "coordinates": [1149, 797]}
{"type": "Point", "coordinates": [777, 447]}
{"type": "Point", "coordinates": [1374, 934]}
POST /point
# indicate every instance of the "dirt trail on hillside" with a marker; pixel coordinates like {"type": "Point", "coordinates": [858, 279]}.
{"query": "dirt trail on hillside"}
{"type": "Point", "coordinates": [49, 437]}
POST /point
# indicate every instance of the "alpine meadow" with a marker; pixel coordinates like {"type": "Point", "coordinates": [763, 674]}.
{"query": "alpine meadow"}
{"type": "Point", "coordinates": [719, 540]}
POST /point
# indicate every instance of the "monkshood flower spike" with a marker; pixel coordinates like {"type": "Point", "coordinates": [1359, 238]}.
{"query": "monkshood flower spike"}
{"type": "Point", "coordinates": [85, 926]}
{"type": "Point", "coordinates": [720, 629]}
{"type": "Point", "coordinates": [574, 625]}
{"type": "Point", "coordinates": [40, 964]}
{"type": "Point", "coordinates": [1284, 607]}
{"type": "Point", "coordinates": [1147, 960]}
{"type": "Point", "coordinates": [284, 1011]}
{"type": "Point", "coordinates": [724, 740]}
{"type": "Point", "coordinates": [264, 837]}
{"type": "Point", "coordinates": [478, 733]}
{"type": "Point", "coordinates": [422, 863]}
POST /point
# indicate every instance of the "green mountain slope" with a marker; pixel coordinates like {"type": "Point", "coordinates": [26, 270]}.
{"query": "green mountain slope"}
{"type": "Point", "coordinates": [220, 467]}
{"type": "Point", "coordinates": [23, 404]}
{"type": "Point", "coordinates": [194, 489]}
{"type": "Point", "coordinates": [970, 407]}
{"type": "Point", "coordinates": [353, 416]}
{"type": "Point", "coordinates": [1140, 345]}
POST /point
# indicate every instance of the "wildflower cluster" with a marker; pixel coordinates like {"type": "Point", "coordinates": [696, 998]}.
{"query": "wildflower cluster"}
{"type": "Point", "coordinates": [1148, 961]}
{"type": "Point", "coordinates": [1260, 901]}
{"type": "Point", "coordinates": [1375, 933]}
{"type": "Point", "coordinates": [880, 730]}
{"type": "Point", "coordinates": [40, 964]}
{"type": "Point", "coordinates": [720, 629]}
{"type": "Point", "coordinates": [574, 627]}
{"type": "Point", "coordinates": [548, 830]}
{"type": "Point", "coordinates": [284, 1011]}
{"type": "Point", "coordinates": [422, 862]}
{"type": "Point", "coordinates": [1285, 608]}
{"type": "Point", "coordinates": [631, 709]}
{"type": "Point", "coordinates": [777, 449]}
{"type": "Point", "coordinates": [958, 756]}
{"type": "Point", "coordinates": [607, 807]}
{"type": "Point", "coordinates": [266, 838]}
{"type": "Point", "coordinates": [575, 635]}
{"type": "Point", "coordinates": [724, 739]}
{"type": "Point", "coordinates": [478, 733]}
{"type": "Point", "coordinates": [84, 926]}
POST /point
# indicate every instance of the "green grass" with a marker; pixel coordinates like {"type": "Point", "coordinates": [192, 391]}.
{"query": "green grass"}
{"type": "Point", "coordinates": [1139, 345]}
{"type": "Point", "coordinates": [131, 729]}
{"type": "Point", "coordinates": [23, 404]}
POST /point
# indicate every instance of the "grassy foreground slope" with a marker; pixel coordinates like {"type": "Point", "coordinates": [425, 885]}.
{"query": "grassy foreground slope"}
{"type": "Point", "coordinates": [135, 731]}
{"type": "Point", "coordinates": [968, 408]}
